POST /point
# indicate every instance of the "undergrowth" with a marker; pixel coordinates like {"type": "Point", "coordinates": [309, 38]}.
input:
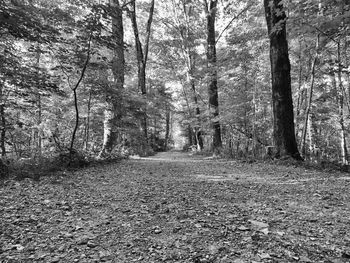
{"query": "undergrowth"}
{"type": "Point", "coordinates": [35, 168]}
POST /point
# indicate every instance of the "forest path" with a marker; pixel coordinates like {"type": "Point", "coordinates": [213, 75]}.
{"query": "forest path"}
{"type": "Point", "coordinates": [174, 207]}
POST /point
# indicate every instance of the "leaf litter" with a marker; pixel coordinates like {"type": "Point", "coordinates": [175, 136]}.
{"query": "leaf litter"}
{"type": "Point", "coordinates": [173, 208]}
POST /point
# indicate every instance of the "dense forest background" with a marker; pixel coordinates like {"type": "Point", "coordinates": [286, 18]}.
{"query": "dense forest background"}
{"type": "Point", "coordinates": [120, 77]}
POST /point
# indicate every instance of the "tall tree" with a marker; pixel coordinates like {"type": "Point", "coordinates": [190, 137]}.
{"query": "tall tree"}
{"type": "Point", "coordinates": [282, 103]}
{"type": "Point", "coordinates": [307, 121]}
{"type": "Point", "coordinates": [210, 10]}
{"type": "Point", "coordinates": [118, 68]}
{"type": "Point", "coordinates": [185, 23]}
{"type": "Point", "coordinates": [142, 55]}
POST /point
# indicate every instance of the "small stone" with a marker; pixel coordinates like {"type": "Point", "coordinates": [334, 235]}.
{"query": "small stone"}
{"type": "Point", "coordinates": [18, 247]}
{"type": "Point", "coordinates": [55, 259]}
{"type": "Point", "coordinates": [82, 241]}
{"type": "Point", "coordinates": [91, 244]}
{"type": "Point", "coordinates": [280, 233]}
{"type": "Point", "coordinates": [305, 259]}
{"type": "Point", "coordinates": [157, 231]}
{"type": "Point", "coordinates": [243, 228]}
{"type": "Point", "coordinates": [264, 256]}
{"type": "Point", "coordinates": [61, 248]}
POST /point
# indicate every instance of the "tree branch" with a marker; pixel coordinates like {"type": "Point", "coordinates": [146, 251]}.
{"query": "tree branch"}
{"type": "Point", "coordinates": [148, 31]}
{"type": "Point", "coordinates": [234, 18]}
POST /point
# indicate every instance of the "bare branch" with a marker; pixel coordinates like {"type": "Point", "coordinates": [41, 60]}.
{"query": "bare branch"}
{"type": "Point", "coordinates": [233, 19]}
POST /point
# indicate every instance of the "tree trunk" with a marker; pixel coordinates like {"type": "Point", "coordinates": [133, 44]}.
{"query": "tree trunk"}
{"type": "Point", "coordinates": [197, 126]}
{"type": "Point", "coordinates": [189, 53]}
{"type": "Point", "coordinates": [340, 93]}
{"type": "Point", "coordinates": [142, 56]}
{"type": "Point", "coordinates": [118, 68]}
{"type": "Point", "coordinates": [75, 97]}
{"type": "Point", "coordinates": [167, 125]}
{"type": "Point", "coordinates": [3, 126]}
{"type": "Point", "coordinates": [301, 92]}
{"type": "Point", "coordinates": [309, 101]}
{"type": "Point", "coordinates": [213, 76]}
{"type": "Point", "coordinates": [282, 103]}
{"type": "Point", "coordinates": [87, 124]}
{"type": "Point", "coordinates": [37, 140]}
{"type": "Point", "coordinates": [190, 135]}
{"type": "Point", "coordinates": [254, 132]}
{"type": "Point", "coordinates": [312, 135]}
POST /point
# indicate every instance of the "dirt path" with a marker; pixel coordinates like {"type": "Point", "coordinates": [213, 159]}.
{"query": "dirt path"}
{"type": "Point", "coordinates": [177, 208]}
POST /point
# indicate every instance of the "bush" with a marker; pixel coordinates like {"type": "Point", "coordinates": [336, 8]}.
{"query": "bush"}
{"type": "Point", "coordinates": [45, 165]}
{"type": "Point", "coordinates": [72, 159]}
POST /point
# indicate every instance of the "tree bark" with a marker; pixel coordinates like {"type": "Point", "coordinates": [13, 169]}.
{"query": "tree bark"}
{"type": "Point", "coordinates": [282, 103]}
{"type": "Point", "coordinates": [213, 76]}
{"type": "Point", "coordinates": [118, 68]}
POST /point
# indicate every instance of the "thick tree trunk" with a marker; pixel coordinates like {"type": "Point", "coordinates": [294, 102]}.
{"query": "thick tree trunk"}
{"type": "Point", "coordinates": [118, 68]}
{"type": "Point", "coordinates": [282, 103]}
{"type": "Point", "coordinates": [190, 135]}
{"type": "Point", "coordinates": [213, 76]}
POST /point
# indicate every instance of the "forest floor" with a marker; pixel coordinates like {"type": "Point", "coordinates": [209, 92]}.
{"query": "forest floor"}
{"type": "Point", "coordinates": [174, 207]}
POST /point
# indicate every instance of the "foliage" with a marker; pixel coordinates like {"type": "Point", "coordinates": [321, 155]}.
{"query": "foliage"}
{"type": "Point", "coordinates": [44, 47]}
